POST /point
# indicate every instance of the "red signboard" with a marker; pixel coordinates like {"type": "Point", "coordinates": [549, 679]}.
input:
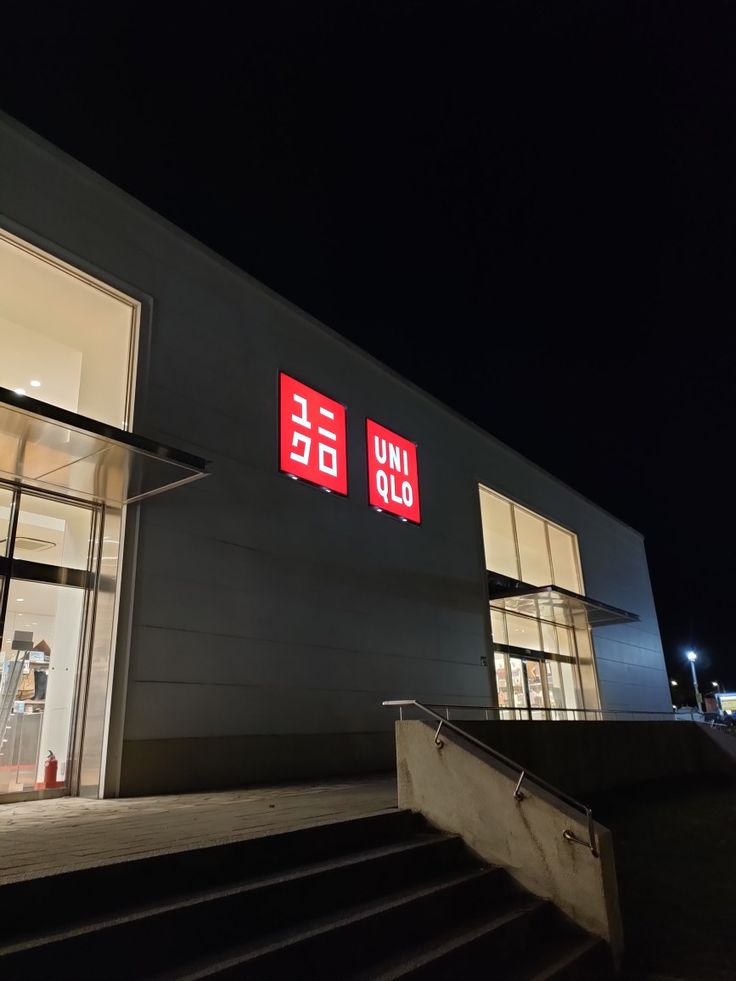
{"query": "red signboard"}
{"type": "Point", "coordinates": [312, 436]}
{"type": "Point", "coordinates": [393, 478]}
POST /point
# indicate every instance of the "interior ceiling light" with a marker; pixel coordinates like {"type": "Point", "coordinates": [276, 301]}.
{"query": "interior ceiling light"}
{"type": "Point", "coordinates": [19, 391]}
{"type": "Point", "coordinates": [30, 544]}
{"type": "Point", "coordinates": [35, 383]}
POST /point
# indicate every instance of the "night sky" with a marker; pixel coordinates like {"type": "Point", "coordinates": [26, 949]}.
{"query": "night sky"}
{"type": "Point", "coordinates": [525, 208]}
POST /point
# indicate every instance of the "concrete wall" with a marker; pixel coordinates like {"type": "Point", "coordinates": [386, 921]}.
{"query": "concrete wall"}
{"type": "Point", "coordinates": [270, 619]}
{"type": "Point", "coordinates": [465, 791]}
{"type": "Point", "coordinates": [587, 758]}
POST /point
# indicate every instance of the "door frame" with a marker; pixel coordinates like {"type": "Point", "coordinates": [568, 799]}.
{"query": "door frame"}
{"type": "Point", "coordinates": [12, 568]}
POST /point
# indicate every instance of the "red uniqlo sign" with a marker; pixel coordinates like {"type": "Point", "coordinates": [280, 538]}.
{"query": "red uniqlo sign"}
{"type": "Point", "coordinates": [393, 478]}
{"type": "Point", "coordinates": [312, 434]}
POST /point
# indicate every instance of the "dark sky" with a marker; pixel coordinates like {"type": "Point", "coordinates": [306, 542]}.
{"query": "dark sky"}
{"type": "Point", "coordinates": [525, 208]}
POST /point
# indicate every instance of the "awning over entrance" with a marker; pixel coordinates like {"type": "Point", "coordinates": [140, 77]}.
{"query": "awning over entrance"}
{"type": "Point", "coordinates": [553, 603]}
{"type": "Point", "coordinates": [57, 450]}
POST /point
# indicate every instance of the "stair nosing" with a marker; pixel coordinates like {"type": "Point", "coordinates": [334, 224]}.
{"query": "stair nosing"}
{"type": "Point", "coordinates": [334, 924]}
{"type": "Point", "coordinates": [295, 874]}
{"type": "Point", "coordinates": [528, 904]}
{"type": "Point", "coordinates": [578, 947]}
{"type": "Point", "coordinates": [182, 848]}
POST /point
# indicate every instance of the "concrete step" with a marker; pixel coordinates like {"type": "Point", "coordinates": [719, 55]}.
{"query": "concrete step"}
{"type": "Point", "coordinates": [205, 921]}
{"type": "Point", "coordinates": [368, 898]}
{"type": "Point", "coordinates": [451, 953]}
{"type": "Point", "coordinates": [343, 946]}
{"type": "Point", "coordinates": [123, 887]}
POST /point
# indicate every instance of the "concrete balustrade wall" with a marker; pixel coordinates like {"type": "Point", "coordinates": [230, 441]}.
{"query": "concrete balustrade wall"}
{"type": "Point", "coordinates": [461, 789]}
{"type": "Point", "coordinates": [585, 758]}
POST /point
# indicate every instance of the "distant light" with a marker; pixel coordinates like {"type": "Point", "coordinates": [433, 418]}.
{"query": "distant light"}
{"type": "Point", "coordinates": [21, 600]}
{"type": "Point", "coordinates": [714, 683]}
{"type": "Point", "coordinates": [327, 490]}
{"type": "Point", "coordinates": [673, 683]}
{"type": "Point", "coordinates": [35, 383]}
{"type": "Point", "coordinates": [379, 510]}
{"type": "Point", "coordinates": [692, 656]}
{"type": "Point", "coordinates": [404, 520]}
{"type": "Point", "coordinates": [292, 476]}
{"type": "Point", "coordinates": [19, 391]}
{"type": "Point", "coordinates": [674, 707]}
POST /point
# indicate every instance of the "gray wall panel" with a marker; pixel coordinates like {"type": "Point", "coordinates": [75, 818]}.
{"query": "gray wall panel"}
{"type": "Point", "coordinates": [265, 607]}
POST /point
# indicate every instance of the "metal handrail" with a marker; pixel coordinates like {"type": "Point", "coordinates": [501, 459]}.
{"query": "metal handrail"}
{"type": "Point", "coordinates": [524, 774]}
{"type": "Point", "coordinates": [598, 713]}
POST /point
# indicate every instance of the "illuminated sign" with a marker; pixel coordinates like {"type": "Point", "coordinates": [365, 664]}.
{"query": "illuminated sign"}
{"type": "Point", "coordinates": [393, 478]}
{"type": "Point", "coordinates": [312, 436]}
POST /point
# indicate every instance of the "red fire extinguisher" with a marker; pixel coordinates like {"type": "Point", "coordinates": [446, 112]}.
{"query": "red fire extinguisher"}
{"type": "Point", "coordinates": [49, 771]}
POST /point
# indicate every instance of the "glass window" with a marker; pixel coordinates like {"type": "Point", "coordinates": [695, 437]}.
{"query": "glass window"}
{"type": "Point", "coordinates": [523, 632]}
{"type": "Point", "coordinates": [563, 547]}
{"type": "Point", "coordinates": [535, 568]}
{"type": "Point", "coordinates": [549, 638]}
{"type": "Point", "coordinates": [570, 688]}
{"type": "Point", "coordinates": [498, 627]}
{"type": "Point", "coordinates": [525, 546]}
{"type": "Point", "coordinates": [518, 685]}
{"type": "Point", "coordinates": [504, 697]}
{"type": "Point", "coordinates": [536, 687]}
{"type": "Point", "coordinates": [498, 534]}
{"type": "Point", "coordinates": [519, 544]}
{"type": "Point", "coordinates": [66, 338]}
{"type": "Point", "coordinates": [6, 500]}
{"type": "Point", "coordinates": [565, 641]}
{"type": "Point", "coordinates": [38, 683]}
{"type": "Point", "coordinates": [53, 532]}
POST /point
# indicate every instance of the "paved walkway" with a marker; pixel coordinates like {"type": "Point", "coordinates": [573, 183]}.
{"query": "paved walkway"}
{"type": "Point", "coordinates": [38, 838]}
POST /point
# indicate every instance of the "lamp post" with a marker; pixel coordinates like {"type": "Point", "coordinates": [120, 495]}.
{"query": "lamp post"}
{"type": "Point", "coordinates": [692, 658]}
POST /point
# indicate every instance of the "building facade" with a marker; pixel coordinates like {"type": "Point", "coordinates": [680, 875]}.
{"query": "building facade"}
{"type": "Point", "coordinates": [228, 534]}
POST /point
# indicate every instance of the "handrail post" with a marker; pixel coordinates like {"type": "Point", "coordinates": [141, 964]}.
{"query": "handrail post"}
{"type": "Point", "coordinates": [518, 795]}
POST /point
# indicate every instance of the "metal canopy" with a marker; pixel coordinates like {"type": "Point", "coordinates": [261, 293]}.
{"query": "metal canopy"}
{"type": "Point", "coordinates": [553, 603]}
{"type": "Point", "coordinates": [57, 450]}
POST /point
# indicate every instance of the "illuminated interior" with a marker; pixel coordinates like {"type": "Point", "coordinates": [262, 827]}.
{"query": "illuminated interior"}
{"type": "Point", "coordinates": [67, 339]}
{"type": "Point", "coordinates": [537, 661]}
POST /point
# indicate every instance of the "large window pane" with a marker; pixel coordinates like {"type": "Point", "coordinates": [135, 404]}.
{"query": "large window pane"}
{"type": "Point", "coordinates": [532, 548]}
{"type": "Point", "coordinates": [549, 637]}
{"type": "Point", "coordinates": [536, 688]}
{"type": "Point", "coordinates": [565, 641]}
{"type": "Point", "coordinates": [66, 338]}
{"type": "Point", "coordinates": [502, 686]}
{"type": "Point", "coordinates": [38, 683]}
{"type": "Point", "coordinates": [53, 532]}
{"type": "Point", "coordinates": [571, 689]}
{"type": "Point", "coordinates": [564, 559]}
{"type": "Point", "coordinates": [523, 632]}
{"type": "Point", "coordinates": [498, 627]}
{"type": "Point", "coordinates": [6, 500]}
{"type": "Point", "coordinates": [498, 534]}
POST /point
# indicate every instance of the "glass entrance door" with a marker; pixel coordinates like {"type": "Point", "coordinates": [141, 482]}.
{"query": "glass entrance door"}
{"type": "Point", "coordinates": [527, 692]}
{"type": "Point", "coordinates": [47, 558]}
{"type": "Point", "coordinates": [519, 688]}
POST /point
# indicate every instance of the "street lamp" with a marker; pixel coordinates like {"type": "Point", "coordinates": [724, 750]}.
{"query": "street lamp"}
{"type": "Point", "coordinates": [673, 682]}
{"type": "Point", "coordinates": [692, 658]}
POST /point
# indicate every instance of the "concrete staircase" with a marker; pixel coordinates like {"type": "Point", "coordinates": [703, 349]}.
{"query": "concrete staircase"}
{"type": "Point", "coordinates": [376, 897]}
